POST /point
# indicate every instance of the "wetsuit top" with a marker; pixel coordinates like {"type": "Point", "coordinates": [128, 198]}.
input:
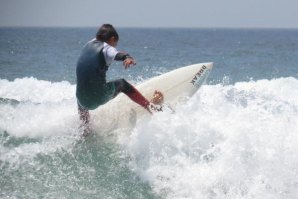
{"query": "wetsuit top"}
{"type": "Point", "coordinates": [91, 72]}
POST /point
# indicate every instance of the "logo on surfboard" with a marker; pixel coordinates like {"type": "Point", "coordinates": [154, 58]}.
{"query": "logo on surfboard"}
{"type": "Point", "coordinates": [200, 76]}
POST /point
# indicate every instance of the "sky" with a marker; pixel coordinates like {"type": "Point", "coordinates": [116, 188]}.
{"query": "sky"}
{"type": "Point", "coordinates": [151, 13]}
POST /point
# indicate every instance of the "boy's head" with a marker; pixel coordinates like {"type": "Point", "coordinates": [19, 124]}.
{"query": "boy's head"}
{"type": "Point", "coordinates": [107, 33]}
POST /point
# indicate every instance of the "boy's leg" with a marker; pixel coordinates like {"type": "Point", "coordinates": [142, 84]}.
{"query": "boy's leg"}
{"type": "Point", "coordinates": [85, 118]}
{"type": "Point", "coordinates": [122, 85]}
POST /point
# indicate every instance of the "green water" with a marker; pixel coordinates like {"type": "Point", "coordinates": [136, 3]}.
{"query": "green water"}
{"type": "Point", "coordinates": [93, 167]}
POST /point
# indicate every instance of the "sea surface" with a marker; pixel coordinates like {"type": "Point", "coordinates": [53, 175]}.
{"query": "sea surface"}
{"type": "Point", "coordinates": [237, 137]}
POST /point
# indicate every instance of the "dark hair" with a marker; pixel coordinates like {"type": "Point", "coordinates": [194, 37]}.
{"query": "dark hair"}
{"type": "Point", "coordinates": [105, 32]}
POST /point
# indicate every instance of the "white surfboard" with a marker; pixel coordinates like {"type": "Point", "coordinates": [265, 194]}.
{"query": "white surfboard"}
{"type": "Point", "coordinates": [176, 86]}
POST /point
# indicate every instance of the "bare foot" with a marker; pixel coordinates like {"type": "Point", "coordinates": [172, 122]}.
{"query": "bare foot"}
{"type": "Point", "coordinates": [157, 98]}
{"type": "Point", "coordinates": [156, 101]}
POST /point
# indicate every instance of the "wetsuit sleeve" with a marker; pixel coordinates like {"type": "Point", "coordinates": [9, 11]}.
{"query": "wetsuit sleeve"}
{"type": "Point", "coordinates": [121, 56]}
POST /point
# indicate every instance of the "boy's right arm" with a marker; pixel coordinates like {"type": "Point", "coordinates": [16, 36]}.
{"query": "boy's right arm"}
{"type": "Point", "coordinates": [126, 58]}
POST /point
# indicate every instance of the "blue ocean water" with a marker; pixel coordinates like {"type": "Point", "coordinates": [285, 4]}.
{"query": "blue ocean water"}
{"type": "Point", "coordinates": [235, 138]}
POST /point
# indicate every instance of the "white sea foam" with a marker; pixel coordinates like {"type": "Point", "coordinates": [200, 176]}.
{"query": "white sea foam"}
{"type": "Point", "coordinates": [228, 141]}
{"type": "Point", "coordinates": [44, 108]}
{"type": "Point", "coordinates": [45, 111]}
{"type": "Point", "coordinates": [37, 91]}
{"type": "Point", "coordinates": [232, 141]}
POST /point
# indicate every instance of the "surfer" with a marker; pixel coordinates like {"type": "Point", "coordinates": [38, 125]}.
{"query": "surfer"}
{"type": "Point", "coordinates": [92, 88]}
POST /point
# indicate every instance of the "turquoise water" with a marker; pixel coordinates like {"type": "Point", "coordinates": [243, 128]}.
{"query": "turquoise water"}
{"type": "Point", "coordinates": [235, 138]}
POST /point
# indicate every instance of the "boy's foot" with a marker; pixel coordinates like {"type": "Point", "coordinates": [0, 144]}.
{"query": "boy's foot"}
{"type": "Point", "coordinates": [156, 101]}
{"type": "Point", "coordinates": [157, 98]}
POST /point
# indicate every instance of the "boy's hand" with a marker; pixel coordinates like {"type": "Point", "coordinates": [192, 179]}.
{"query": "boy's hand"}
{"type": "Point", "coordinates": [128, 62]}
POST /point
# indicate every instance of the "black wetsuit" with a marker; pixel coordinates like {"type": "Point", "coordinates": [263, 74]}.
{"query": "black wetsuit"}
{"type": "Point", "coordinates": [92, 89]}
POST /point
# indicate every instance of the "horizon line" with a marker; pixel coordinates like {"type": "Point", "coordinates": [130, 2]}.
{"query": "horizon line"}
{"type": "Point", "coordinates": [153, 27]}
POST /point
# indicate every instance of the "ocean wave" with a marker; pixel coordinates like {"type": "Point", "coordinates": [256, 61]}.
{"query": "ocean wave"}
{"type": "Point", "coordinates": [228, 141]}
{"type": "Point", "coordinates": [37, 91]}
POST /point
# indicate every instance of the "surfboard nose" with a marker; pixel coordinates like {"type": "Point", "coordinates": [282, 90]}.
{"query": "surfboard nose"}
{"type": "Point", "coordinates": [209, 65]}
